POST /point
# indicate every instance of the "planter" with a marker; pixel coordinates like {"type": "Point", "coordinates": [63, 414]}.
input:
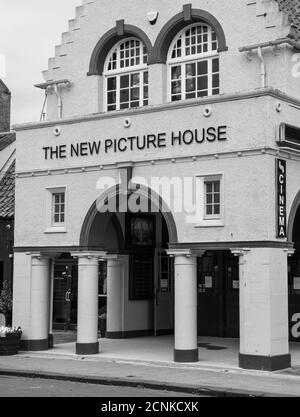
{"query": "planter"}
{"type": "Point", "coordinates": [10, 344]}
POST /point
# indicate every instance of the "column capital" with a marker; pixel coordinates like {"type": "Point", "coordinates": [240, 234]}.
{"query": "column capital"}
{"type": "Point", "coordinates": [110, 257]}
{"type": "Point", "coordinates": [240, 252]}
{"type": "Point", "coordinates": [38, 255]}
{"type": "Point", "coordinates": [89, 255]}
{"type": "Point", "coordinates": [188, 253]}
{"type": "Point", "coordinates": [289, 252]}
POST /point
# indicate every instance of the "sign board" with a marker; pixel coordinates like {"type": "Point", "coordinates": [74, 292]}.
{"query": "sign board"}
{"type": "Point", "coordinates": [235, 284]}
{"type": "Point", "coordinates": [289, 136]}
{"type": "Point", "coordinates": [281, 216]}
{"type": "Point", "coordinates": [208, 282]}
{"type": "Point", "coordinates": [296, 283]}
{"type": "Point", "coordinates": [137, 143]}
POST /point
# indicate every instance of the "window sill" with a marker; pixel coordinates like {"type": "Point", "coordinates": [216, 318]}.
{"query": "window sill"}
{"type": "Point", "coordinates": [210, 223]}
{"type": "Point", "coordinates": [56, 229]}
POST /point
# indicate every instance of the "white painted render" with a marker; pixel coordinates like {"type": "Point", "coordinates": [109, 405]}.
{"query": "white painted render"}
{"type": "Point", "coordinates": [245, 162]}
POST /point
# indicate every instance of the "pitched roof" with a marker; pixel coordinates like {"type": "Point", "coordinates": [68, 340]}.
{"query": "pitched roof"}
{"type": "Point", "coordinates": [6, 139]}
{"type": "Point", "coordinates": [3, 87]}
{"type": "Point", "coordinates": [7, 193]}
{"type": "Point", "coordinates": [292, 9]}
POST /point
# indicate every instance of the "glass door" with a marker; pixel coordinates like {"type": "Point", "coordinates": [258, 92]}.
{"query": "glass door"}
{"type": "Point", "coordinates": [65, 296]}
{"type": "Point", "coordinates": [164, 302]}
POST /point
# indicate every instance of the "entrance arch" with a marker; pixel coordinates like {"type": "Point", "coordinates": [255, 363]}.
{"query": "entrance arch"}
{"type": "Point", "coordinates": [294, 271]}
{"type": "Point", "coordinates": [145, 192]}
{"type": "Point", "coordinates": [292, 216]}
{"type": "Point", "coordinates": [138, 273]}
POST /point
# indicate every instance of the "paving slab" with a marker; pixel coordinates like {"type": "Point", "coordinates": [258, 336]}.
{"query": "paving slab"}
{"type": "Point", "coordinates": [148, 362]}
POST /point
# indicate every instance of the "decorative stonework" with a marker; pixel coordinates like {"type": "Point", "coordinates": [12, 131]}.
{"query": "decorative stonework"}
{"type": "Point", "coordinates": [264, 8]}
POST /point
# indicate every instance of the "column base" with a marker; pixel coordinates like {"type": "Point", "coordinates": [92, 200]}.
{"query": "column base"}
{"type": "Point", "coordinates": [87, 348]}
{"type": "Point", "coordinates": [265, 363]}
{"type": "Point", "coordinates": [186, 356]}
{"type": "Point", "coordinates": [129, 334]}
{"type": "Point", "coordinates": [34, 345]}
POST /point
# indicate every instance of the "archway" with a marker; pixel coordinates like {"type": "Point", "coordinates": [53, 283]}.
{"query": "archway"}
{"type": "Point", "coordinates": [109, 39]}
{"type": "Point", "coordinates": [136, 277]}
{"type": "Point", "coordinates": [156, 204]}
{"type": "Point", "coordinates": [294, 272]}
{"type": "Point", "coordinates": [178, 22]}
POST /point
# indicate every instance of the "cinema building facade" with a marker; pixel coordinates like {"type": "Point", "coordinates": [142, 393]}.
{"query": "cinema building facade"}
{"type": "Point", "coordinates": [165, 95]}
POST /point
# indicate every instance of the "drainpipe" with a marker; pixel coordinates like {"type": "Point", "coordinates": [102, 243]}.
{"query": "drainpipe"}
{"type": "Point", "coordinates": [55, 85]}
{"type": "Point", "coordinates": [59, 101]}
{"type": "Point", "coordinates": [263, 67]}
{"type": "Point", "coordinates": [295, 45]}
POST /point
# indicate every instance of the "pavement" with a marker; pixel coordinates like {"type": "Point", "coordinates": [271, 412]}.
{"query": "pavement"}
{"type": "Point", "coordinates": [147, 363]}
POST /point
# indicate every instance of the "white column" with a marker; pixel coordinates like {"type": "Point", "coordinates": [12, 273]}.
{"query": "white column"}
{"type": "Point", "coordinates": [115, 297]}
{"type": "Point", "coordinates": [40, 303]}
{"type": "Point", "coordinates": [87, 325]}
{"type": "Point", "coordinates": [264, 335]}
{"type": "Point", "coordinates": [186, 345]}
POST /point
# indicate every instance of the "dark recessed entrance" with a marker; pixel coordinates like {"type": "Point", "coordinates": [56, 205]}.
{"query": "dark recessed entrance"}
{"type": "Point", "coordinates": [294, 284]}
{"type": "Point", "coordinates": [65, 294]}
{"type": "Point", "coordinates": [218, 295]}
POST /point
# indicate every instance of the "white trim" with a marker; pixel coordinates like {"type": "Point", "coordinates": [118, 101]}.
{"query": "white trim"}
{"type": "Point", "coordinates": [52, 227]}
{"type": "Point", "coordinates": [195, 56]}
{"type": "Point", "coordinates": [185, 59]}
{"type": "Point", "coordinates": [213, 220]}
{"type": "Point", "coordinates": [219, 98]}
{"type": "Point", "coordinates": [117, 73]}
{"type": "Point", "coordinates": [55, 229]}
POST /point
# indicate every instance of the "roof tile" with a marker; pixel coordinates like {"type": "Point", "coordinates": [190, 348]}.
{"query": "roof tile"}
{"type": "Point", "coordinates": [292, 9]}
{"type": "Point", "coordinates": [6, 139]}
{"type": "Point", "coordinates": [7, 193]}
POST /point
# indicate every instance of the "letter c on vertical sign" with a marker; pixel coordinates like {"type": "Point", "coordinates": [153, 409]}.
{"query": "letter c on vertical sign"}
{"type": "Point", "coordinates": [296, 327]}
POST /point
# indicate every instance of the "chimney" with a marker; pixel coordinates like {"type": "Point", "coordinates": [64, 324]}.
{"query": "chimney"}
{"type": "Point", "coordinates": [5, 100]}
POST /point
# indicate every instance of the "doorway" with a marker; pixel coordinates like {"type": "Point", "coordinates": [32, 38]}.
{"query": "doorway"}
{"type": "Point", "coordinates": [218, 294]}
{"type": "Point", "coordinates": [65, 294]}
{"type": "Point", "coordinates": [294, 284]}
{"type": "Point", "coordinates": [150, 274]}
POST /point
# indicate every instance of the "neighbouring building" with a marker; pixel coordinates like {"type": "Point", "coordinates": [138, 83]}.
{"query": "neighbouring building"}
{"type": "Point", "coordinates": [164, 184]}
{"type": "Point", "coordinates": [7, 187]}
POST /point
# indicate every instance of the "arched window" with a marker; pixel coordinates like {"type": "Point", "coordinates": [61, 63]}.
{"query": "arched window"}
{"type": "Point", "coordinates": [126, 76]}
{"type": "Point", "coordinates": [194, 63]}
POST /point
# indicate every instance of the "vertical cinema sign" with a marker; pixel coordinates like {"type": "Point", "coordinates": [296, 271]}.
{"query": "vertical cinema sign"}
{"type": "Point", "coordinates": [281, 198]}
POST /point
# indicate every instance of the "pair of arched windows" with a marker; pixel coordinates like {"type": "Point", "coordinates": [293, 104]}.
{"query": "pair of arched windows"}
{"type": "Point", "coordinates": [193, 69]}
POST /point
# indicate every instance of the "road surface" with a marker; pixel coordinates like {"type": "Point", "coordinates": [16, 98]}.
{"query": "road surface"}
{"type": "Point", "coordinates": [25, 387]}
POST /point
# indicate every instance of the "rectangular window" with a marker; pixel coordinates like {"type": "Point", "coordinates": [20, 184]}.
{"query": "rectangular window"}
{"type": "Point", "coordinates": [212, 198]}
{"type": "Point", "coordinates": [141, 277]}
{"type": "Point", "coordinates": [58, 208]}
{"type": "Point", "coordinates": [127, 91]}
{"type": "Point", "coordinates": [195, 79]}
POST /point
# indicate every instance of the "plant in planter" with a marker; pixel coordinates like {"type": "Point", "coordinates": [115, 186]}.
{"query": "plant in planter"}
{"type": "Point", "coordinates": [9, 340]}
{"type": "Point", "coordinates": [6, 303]}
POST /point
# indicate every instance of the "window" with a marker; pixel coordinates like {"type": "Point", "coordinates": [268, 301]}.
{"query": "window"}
{"type": "Point", "coordinates": [126, 76]}
{"type": "Point", "coordinates": [194, 64]}
{"type": "Point", "coordinates": [212, 198]}
{"type": "Point", "coordinates": [58, 208]}
{"type": "Point", "coordinates": [210, 194]}
{"type": "Point", "coordinates": [1, 275]}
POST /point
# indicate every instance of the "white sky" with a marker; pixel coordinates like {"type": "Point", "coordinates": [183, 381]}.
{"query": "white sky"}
{"type": "Point", "coordinates": [29, 31]}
